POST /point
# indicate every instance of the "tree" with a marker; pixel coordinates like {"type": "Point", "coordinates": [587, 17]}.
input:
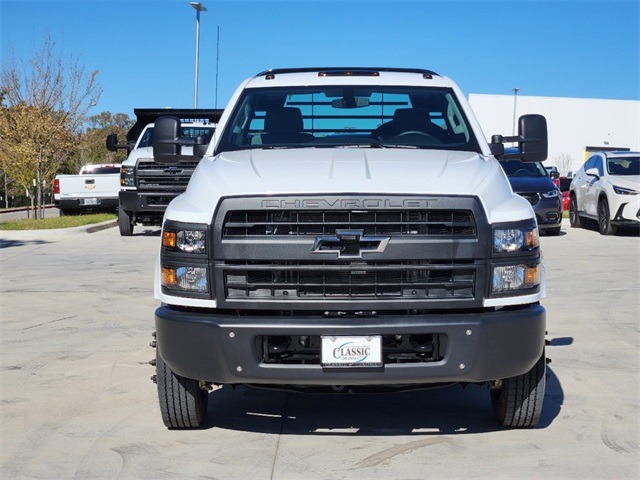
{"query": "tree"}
{"type": "Point", "coordinates": [33, 145]}
{"type": "Point", "coordinates": [93, 140]}
{"type": "Point", "coordinates": [563, 161]}
{"type": "Point", "coordinates": [44, 104]}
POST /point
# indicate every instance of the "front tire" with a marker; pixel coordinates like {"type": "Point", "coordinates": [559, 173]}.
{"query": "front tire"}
{"type": "Point", "coordinates": [604, 219]}
{"type": "Point", "coordinates": [125, 222]}
{"type": "Point", "coordinates": [553, 231]}
{"type": "Point", "coordinates": [518, 402]}
{"type": "Point", "coordinates": [183, 403]}
{"type": "Point", "coordinates": [575, 219]}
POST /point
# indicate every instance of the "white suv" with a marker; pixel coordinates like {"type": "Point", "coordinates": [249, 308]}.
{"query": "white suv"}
{"type": "Point", "coordinates": [607, 189]}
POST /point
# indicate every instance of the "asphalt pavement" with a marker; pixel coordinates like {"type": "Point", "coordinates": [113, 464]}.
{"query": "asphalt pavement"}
{"type": "Point", "coordinates": [77, 401]}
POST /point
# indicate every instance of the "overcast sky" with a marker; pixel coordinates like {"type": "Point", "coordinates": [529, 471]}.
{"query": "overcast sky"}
{"type": "Point", "coordinates": [145, 49]}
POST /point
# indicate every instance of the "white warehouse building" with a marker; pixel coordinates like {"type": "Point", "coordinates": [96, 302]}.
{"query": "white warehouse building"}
{"type": "Point", "coordinates": [576, 125]}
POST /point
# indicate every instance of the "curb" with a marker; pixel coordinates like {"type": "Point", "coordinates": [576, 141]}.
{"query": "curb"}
{"type": "Point", "coordinates": [101, 226]}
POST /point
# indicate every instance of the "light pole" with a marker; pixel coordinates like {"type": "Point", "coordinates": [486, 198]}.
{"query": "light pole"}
{"type": "Point", "coordinates": [515, 100]}
{"type": "Point", "coordinates": [199, 8]}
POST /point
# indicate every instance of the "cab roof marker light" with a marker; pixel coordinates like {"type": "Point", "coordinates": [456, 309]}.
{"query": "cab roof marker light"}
{"type": "Point", "coordinates": [349, 73]}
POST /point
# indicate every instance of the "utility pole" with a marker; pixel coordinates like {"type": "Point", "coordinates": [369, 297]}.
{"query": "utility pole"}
{"type": "Point", "coordinates": [515, 101]}
{"type": "Point", "coordinates": [199, 8]}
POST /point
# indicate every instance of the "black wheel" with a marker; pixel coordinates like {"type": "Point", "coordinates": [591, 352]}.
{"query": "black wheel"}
{"type": "Point", "coordinates": [125, 222]}
{"type": "Point", "coordinates": [553, 231]}
{"type": "Point", "coordinates": [575, 220]}
{"type": "Point", "coordinates": [183, 403]}
{"type": "Point", "coordinates": [604, 219]}
{"type": "Point", "coordinates": [517, 402]}
{"type": "Point", "coordinates": [64, 213]}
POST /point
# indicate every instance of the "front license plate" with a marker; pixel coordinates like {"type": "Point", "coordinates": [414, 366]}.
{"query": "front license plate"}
{"type": "Point", "coordinates": [349, 352]}
{"type": "Point", "coordinates": [90, 201]}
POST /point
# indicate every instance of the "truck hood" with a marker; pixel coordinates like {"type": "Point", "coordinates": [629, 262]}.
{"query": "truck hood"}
{"type": "Point", "coordinates": [342, 171]}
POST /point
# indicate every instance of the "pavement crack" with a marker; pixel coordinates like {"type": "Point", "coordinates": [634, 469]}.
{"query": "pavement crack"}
{"type": "Point", "coordinates": [47, 323]}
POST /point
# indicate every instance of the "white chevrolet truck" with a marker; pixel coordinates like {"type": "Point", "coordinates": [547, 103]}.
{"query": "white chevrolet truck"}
{"type": "Point", "coordinates": [147, 187]}
{"type": "Point", "coordinates": [94, 189]}
{"type": "Point", "coordinates": [350, 229]}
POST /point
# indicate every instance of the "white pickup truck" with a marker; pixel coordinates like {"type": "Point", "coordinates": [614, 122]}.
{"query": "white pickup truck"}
{"type": "Point", "coordinates": [95, 188]}
{"type": "Point", "coordinates": [350, 229]}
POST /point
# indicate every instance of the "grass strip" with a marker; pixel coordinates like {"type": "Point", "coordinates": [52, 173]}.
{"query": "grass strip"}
{"type": "Point", "coordinates": [57, 222]}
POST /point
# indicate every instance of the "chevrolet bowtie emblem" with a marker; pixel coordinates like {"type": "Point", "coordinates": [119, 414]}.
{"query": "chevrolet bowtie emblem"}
{"type": "Point", "coordinates": [349, 244]}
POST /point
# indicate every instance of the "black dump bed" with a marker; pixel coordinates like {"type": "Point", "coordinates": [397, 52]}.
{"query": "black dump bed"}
{"type": "Point", "coordinates": [145, 116]}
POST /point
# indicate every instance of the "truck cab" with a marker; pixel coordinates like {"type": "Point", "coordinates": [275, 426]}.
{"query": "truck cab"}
{"type": "Point", "coordinates": [346, 229]}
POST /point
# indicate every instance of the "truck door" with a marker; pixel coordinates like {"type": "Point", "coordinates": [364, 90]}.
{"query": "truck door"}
{"type": "Point", "coordinates": [593, 185]}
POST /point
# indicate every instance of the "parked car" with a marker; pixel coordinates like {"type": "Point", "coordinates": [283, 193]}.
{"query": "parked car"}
{"type": "Point", "coordinates": [554, 174]}
{"type": "Point", "coordinates": [606, 189]}
{"type": "Point", "coordinates": [565, 200]}
{"type": "Point", "coordinates": [532, 181]}
{"type": "Point", "coordinates": [565, 183]}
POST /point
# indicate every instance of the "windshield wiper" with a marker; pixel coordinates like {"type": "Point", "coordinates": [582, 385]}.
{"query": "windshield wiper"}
{"type": "Point", "coordinates": [283, 147]}
{"type": "Point", "coordinates": [412, 147]}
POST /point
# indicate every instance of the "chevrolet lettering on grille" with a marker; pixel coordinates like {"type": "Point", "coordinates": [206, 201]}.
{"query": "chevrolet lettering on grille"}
{"type": "Point", "coordinates": [349, 244]}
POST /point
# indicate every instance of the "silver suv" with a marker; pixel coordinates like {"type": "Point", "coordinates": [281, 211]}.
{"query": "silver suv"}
{"type": "Point", "coordinates": [607, 189]}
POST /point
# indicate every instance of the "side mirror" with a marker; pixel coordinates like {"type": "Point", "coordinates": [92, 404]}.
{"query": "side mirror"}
{"type": "Point", "coordinates": [593, 172]}
{"type": "Point", "coordinates": [165, 137]}
{"type": "Point", "coordinates": [531, 140]}
{"type": "Point", "coordinates": [554, 175]}
{"type": "Point", "coordinates": [112, 143]}
{"type": "Point", "coordinates": [532, 129]}
{"type": "Point", "coordinates": [167, 143]}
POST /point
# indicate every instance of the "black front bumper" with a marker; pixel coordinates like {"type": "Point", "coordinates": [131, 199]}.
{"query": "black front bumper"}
{"type": "Point", "coordinates": [222, 348]}
{"type": "Point", "coordinates": [154, 202]}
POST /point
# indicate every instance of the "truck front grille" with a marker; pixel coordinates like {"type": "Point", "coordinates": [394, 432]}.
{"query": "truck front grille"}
{"type": "Point", "coordinates": [252, 223]}
{"type": "Point", "coordinates": [349, 252]}
{"type": "Point", "coordinates": [153, 176]}
{"type": "Point", "coordinates": [299, 281]}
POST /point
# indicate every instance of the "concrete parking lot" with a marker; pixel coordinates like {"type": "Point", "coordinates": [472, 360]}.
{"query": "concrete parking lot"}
{"type": "Point", "coordinates": [77, 403]}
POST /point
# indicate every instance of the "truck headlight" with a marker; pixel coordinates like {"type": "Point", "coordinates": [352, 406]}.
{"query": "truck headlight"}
{"type": "Point", "coordinates": [184, 261]}
{"type": "Point", "coordinates": [508, 278]}
{"type": "Point", "coordinates": [186, 241]}
{"type": "Point", "coordinates": [127, 177]}
{"type": "Point", "coordinates": [515, 239]}
{"type": "Point", "coordinates": [188, 279]}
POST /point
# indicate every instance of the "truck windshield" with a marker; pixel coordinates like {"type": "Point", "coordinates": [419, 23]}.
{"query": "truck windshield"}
{"type": "Point", "coordinates": [348, 116]}
{"type": "Point", "coordinates": [186, 131]}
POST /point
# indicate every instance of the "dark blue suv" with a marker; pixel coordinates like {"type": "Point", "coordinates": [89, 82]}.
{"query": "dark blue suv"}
{"type": "Point", "coordinates": [533, 182]}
